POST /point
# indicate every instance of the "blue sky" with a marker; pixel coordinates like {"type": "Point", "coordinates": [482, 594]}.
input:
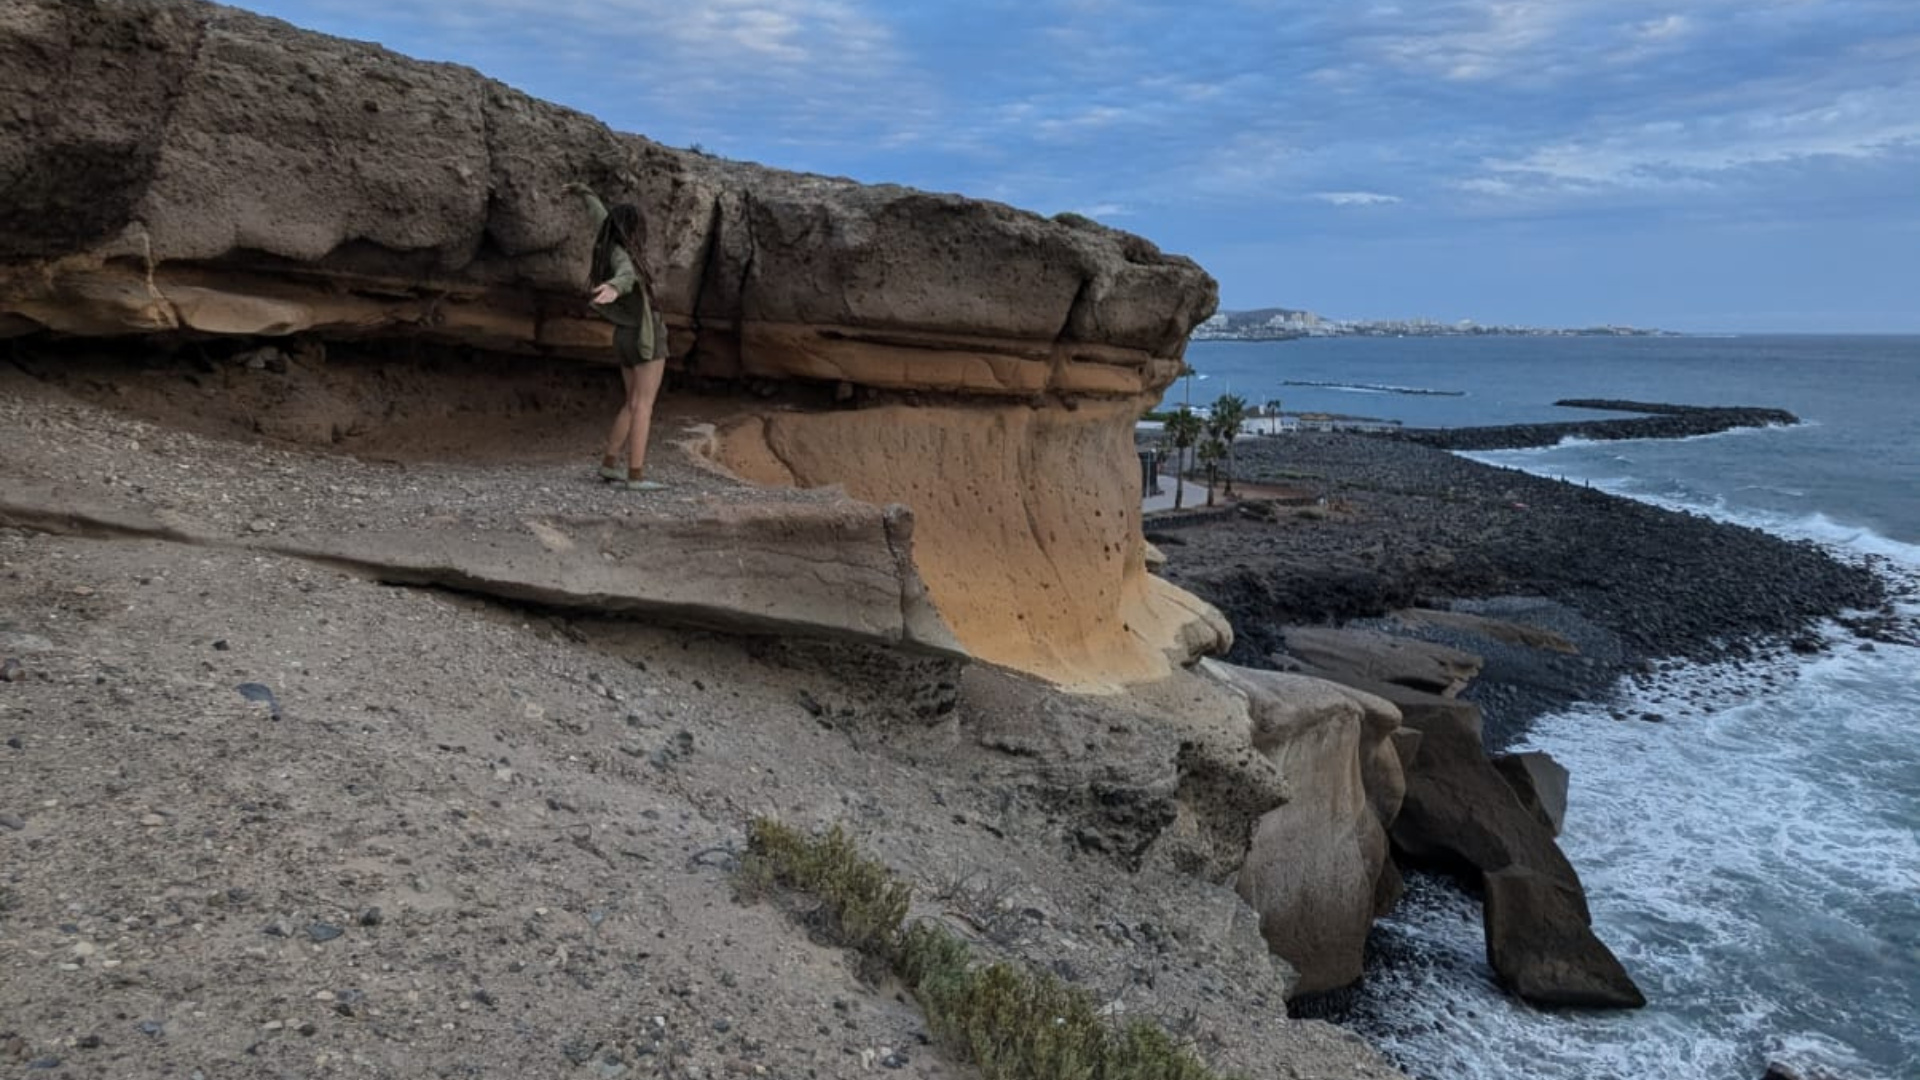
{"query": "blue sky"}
{"type": "Point", "coordinates": [1693, 164]}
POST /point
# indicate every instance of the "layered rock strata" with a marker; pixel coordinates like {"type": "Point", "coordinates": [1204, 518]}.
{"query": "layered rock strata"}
{"type": "Point", "coordinates": [846, 575]}
{"type": "Point", "coordinates": [181, 168]}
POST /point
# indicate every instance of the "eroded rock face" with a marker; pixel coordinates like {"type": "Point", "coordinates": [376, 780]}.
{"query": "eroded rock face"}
{"type": "Point", "coordinates": [233, 154]}
{"type": "Point", "coordinates": [184, 168]}
{"type": "Point", "coordinates": [1316, 864]}
{"type": "Point", "coordinates": [1027, 537]}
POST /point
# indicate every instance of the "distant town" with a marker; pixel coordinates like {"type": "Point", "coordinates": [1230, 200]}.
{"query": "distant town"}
{"type": "Point", "coordinates": [1280, 324]}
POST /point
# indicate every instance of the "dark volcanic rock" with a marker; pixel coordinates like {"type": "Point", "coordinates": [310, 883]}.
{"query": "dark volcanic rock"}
{"type": "Point", "coordinates": [1540, 783]}
{"type": "Point", "coordinates": [1370, 655]}
{"type": "Point", "coordinates": [1664, 422]}
{"type": "Point", "coordinates": [1407, 525]}
{"type": "Point", "coordinates": [1538, 942]}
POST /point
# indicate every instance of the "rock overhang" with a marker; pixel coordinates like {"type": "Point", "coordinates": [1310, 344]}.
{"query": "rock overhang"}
{"type": "Point", "coordinates": [267, 181]}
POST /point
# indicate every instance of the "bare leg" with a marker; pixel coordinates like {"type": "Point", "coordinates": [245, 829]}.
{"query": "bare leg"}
{"type": "Point", "coordinates": [617, 441]}
{"type": "Point", "coordinates": [641, 393]}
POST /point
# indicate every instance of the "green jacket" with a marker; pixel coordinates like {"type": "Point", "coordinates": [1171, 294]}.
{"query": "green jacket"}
{"type": "Point", "coordinates": [630, 308]}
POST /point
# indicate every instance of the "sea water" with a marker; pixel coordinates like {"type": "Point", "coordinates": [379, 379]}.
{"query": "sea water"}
{"type": "Point", "coordinates": [1753, 861]}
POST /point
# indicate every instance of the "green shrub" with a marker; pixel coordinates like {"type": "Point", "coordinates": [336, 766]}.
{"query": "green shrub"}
{"type": "Point", "coordinates": [1013, 1024]}
{"type": "Point", "coordinates": [862, 904]}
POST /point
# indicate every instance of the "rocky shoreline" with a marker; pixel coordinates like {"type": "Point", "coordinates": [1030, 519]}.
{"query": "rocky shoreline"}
{"type": "Point", "coordinates": [1661, 422]}
{"type": "Point", "coordinates": [1401, 525]}
{"type": "Point", "coordinates": [1526, 595]}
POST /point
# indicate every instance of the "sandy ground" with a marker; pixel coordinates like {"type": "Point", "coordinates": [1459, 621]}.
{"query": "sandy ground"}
{"type": "Point", "coordinates": [259, 817]}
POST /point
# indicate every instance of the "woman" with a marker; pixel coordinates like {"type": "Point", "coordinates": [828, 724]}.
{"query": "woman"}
{"type": "Point", "coordinates": [623, 295]}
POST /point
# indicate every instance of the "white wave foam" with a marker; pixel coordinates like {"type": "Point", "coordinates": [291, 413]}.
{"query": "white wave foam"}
{"type": "Point", "coordinates": [1517, 456]}
{"type": "Point", "coordinates": [1752, 863]}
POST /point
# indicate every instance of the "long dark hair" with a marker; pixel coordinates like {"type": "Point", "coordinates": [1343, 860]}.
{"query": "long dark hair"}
{"type": "Point", "coordinates": [624, 226]}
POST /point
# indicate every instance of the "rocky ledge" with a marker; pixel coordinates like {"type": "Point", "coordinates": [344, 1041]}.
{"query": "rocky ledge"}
{"type": "Point", "coordinates": [178, 171]}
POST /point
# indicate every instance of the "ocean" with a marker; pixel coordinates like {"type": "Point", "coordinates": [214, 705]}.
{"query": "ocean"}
{"type": "Point", "coordinates": [1755, 862]}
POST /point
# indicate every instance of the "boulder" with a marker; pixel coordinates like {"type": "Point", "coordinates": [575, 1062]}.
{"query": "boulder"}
{"type": "Point", "coordinates": [1534, 941]}
{"type": "Point", "coordinates": [1116, 780]}
{"type": "Point", "coordinates": [1513, 633]}
{"type": "Point", "coordinates": [1376, 657]}
{"type": "Point", "coordinates": [182, 167]}
{"type": "Point", "coordinates": [1314, 869]}
{"type": "Point", "coordinates": [1461, 815]}
{"type": "Point", "coordinates": [1540, 783]}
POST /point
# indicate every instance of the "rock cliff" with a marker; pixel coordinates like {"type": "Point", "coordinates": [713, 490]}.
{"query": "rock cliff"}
{"type": "Point", "coordinates": [185, 169]}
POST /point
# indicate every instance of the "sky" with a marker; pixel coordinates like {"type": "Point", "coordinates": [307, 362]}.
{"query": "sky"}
{"type": "Point", "coordinates": [1697, 165]}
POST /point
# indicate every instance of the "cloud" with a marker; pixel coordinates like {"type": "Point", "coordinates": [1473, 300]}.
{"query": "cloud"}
{"type": "Point", "coordinates": [717, 69]}
{"type": "Point", "coordinates": [1243, 121]}
{"type": "Point", "coordinates": [1695, 153]}
{"type": "Point", "coordinates": [1356, 198]}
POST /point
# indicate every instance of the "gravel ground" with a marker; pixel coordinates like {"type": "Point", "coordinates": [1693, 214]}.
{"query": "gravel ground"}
{"type": "Point", "coordinates": [260, 817]}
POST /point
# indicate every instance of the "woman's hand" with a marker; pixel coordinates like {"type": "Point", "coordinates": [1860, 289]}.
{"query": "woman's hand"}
{"type": "Point", "coordinates": [605, 293]}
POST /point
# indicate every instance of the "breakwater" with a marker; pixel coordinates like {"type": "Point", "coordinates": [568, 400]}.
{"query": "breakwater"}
{"type": "Point", "coordinates": [1658, 421]}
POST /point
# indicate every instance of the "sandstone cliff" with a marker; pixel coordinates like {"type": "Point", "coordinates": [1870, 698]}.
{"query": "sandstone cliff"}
{"type": "Point", "coordinates": [184, 169]}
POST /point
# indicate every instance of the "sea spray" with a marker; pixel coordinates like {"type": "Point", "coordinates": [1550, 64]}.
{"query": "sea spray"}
{"type": "Point", "coordinates": [1751, 861]}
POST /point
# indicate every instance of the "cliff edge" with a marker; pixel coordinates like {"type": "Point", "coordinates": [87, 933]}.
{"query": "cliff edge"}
{"type": "Point", "coordinates": [185, 171]}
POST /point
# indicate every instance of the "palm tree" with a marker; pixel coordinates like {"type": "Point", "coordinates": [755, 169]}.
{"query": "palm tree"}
{"type": "Point", "coordinates": [1183, 430]}
{"type": "Point", "coordinates": [1229, 412]}
{"type": "Point", "coordinates": [1212, 450]}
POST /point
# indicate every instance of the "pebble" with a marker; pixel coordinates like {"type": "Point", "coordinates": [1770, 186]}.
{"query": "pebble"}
{"type": "Point", "coordinates": [152, 1027]}
{"type": "Point", "coordinates": [152, 821]}
{"type": "Point", "coordinates": [321, 931]}
{"type": "Point", "coordinates": [15, 641]}
{"type": "Point", "coordinates": [11, 671]}
{"type": "Point", "coordinates": [12, 821]}
{"type": "Point", "coordinates": [258, 692]}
